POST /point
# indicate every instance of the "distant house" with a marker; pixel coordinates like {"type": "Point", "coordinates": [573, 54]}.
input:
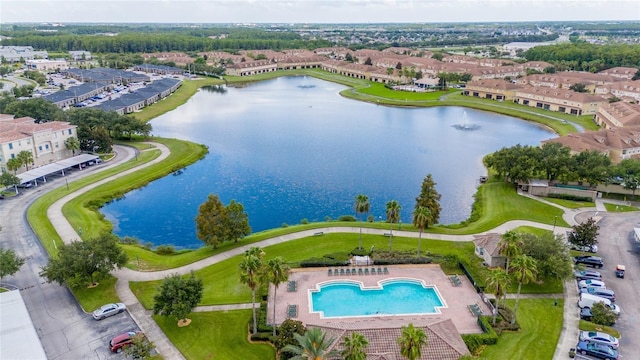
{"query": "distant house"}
{"type": "Point", "coordinates": [486, 247]}
{"type": "Point", "coordinates": [46, 65]}
{"type": "Point", "coordinates": [80, 55]}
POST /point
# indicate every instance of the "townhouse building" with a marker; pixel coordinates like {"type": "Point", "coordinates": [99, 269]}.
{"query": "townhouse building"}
{"type": "Point", "coordinates": [494, 89]}
{"type": "Point", "coordinates": [617, 143]}
{"type": "Point", "coordinates": [45, 141]}
{"type": "Point", "coordinates": [564, 101]}
{"type": "Point", "coordinates": [626, 73]}
{"type": "Point", "coordinates": [19, 53]}
{"type": "Point", "coordinates": [251, 68]}
{"type": "Point", "coordinates": [627, 90]}
{"type": "Point", "coordinates": [617, 114]}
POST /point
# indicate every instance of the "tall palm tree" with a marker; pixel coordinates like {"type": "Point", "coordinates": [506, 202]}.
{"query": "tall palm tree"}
{"type": "Point", "coordinates": [14, 164]}
{"type": "Point", "coordinates": [354, 346]}
{"type": "Point", "coordinates": [525, 270]}
{"type": "Point", "coordinates": [313, 345]}
{"type": "Point", "coordinates": [393, 215]}
{"type": "Point", "coordinates": [250, 275]}
{"type": "Point", "coordinates": [510, 246]}
{"type": "Point", "coordinates": [72, 144]}
{"type": "Point", "coordinates": [411, 341]}
{"type": "Point", "coordinates": [276, 271]}
{"type": "Point", "coordinates": [421, 217]}
{"type": "Point", "coordinates": [25, 157]}
{"type": "Point", "coordinates": [497, 282]}
{"type": "Point", "coordinates": [362, 206]}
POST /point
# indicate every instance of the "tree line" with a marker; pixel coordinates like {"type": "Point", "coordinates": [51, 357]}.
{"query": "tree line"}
{"type": "Point", "coordinates": [586, 57]}
{"type": "Point", "coordinates": [554, 162]}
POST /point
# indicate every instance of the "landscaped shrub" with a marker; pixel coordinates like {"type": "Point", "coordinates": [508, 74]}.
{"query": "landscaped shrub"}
{"type": "Point", "coordinates": [360, 252]}
{"type": "Point", "coordinates": [261, 317]}
{"type": "Point", "coordinates": [304, 221]}
{"type": "Point", "coordinates": [397, 261]}
{"type": "Point", "coordinates": [165, 250]}
{"type": "Point", "coordinates": [347, 218]}
{"type": "Point", "coordinates": [489, 337]}
{"type": "Point", "coordinates": [322, 262]}
{"type": "Point", "coordinates": [571, 197]}
{"type": "Point", "coordinates": [338, 256]}
{"type": "Point", "coordinates": [128, 240]}
{"type": "Point", "coordinates": [602, 315]}
{"type": "Point", "coordinates": [263, 336]}
{"type": "Point", "coordinates": [285, 225]}
{"type": "Point", "coordinates": [473, 342]}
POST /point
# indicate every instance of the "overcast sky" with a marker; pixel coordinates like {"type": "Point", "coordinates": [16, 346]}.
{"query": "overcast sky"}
{"type": "Point", "coordinates": [314, 11]}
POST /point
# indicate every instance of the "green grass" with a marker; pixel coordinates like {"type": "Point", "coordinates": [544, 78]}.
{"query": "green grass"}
{"type": "Point", "coordinates": [92, 298]}
{"type": "Point", "coordinates": [179, 97]}
{"type": "Point", "coordinates": [215, 335]}
{"type": "Point", "coordinates": [619, 208]}
{"type": "Point", "coordinates": [540, 322]}
{"type": "Point", "coordinates": [589, 326]}
{"type": "Point", "coordinates": [570, 204]}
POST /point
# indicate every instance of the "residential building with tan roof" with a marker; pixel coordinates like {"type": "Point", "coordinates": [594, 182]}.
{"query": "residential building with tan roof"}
{"type": "Point", "coordinates": [535, 65]}
{"type": "Point", "coordinates": [564, 101]}
{"type": "Point", "coordinates": [617, 143]}
{"type": "Point", "coordinates": [294, 62]}
{"type": "Point", "coordinates": [495, 89]}
{"type": "Point", "coordinates": [251, 68]}
{"type": "Point", "coordinates": [179, 58]}
{"type": "Point", "coordinates": [480, 73]}
{"type": "Point", "coordinates": [626, 73]}
{"type": "Point", "coordinates": [44, 140]}
{"type": "Point", "coordinates": [486, 248]}
{"type": "Point", "coordinates": [617, 114]}
{"type": "Point", "coordinates": [626, 90]}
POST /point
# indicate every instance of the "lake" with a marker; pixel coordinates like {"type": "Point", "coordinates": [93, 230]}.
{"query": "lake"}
{"type": "Point", "coordinates": [292, 148]}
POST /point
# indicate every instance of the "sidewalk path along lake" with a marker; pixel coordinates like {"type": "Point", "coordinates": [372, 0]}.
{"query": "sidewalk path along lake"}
{"type": "Point", "coordinates": [144, 319]}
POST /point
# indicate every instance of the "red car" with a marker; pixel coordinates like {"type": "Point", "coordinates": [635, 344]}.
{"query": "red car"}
{"type": "Point", "coordinates": [117, 343]}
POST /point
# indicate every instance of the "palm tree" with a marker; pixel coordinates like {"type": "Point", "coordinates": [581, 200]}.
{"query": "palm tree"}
{"type": "Point", "coordinates": [313, 346]}
{"type": "Point", "coordinates": [510, 246]}
{"type": "Point", "coordinates": [250, 269]}
{"type": "Point", "coordinates": [25, 157]}
{"type": "Point", "coordinates": [354, 346]}
{"type": "Point", "coordinates": [72, 144]}
{"type": "Point", "coordinates": [14, 164]}
{"type": "Point", "coordinates": [411, 341]}
{"type": "Point", "coordinates": [362, 206]}
{"type": "Point", "coordinates": [525, 270]}
{"type": "Point", "coordinates": [421, 218]}
{"type": "Point", "coordinates": [393, 215]}
{"type": "Point", "coordinates": [276, 271]}
{"type": "Point", "coordinates": [497, 282]}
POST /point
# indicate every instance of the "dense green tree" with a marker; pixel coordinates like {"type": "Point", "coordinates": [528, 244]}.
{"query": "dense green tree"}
{"type": "Point", "coordinates": [552, 256]}
{"type": "Point", "coordinates": [524, 270]}
{"type": "Point", "coordinates": [421, 217]}
{"type": "Point", "coordinates": [313, 345]}
{"type": "Point", "coordinates": [85, 262]}
{"type": "Point", "coordinates": [354, 347]}
{"type": "Point", "coordinates": [39, 109]}
{"type": "Point", "coordinates": [362, 207]}
{"type": "Point", "coordinates": [10, 262]}
{"type": "Point", "coordinates": [25, 157]}
{"type": "Point", "coordinates": [286, 330]}
{"type": "Point", "coordinates": [601, 314]}
{"type": "Point", "coordinates": [8, 179]}
{"type": "Point", "coordinates": [579, 87]}
{"type": "Point", "coordinates": [632, 183]}
{"type": "Point", "coordinates": [178, 296]}
{"type": "Point", "coordinates": [429, 198]}
{"type": "Point", "coordinates": [393, 216]}
{"type": "Point", "coordinates": [251, 267]}
{"type": "Point", "coordinates": [140, 348]}
{"type": "Point", "coordinates": [411, 341]}
{"type": "Point", "coordinates": [584, 234]}
{"type": "Point", "coordinates": [592, 166]}
{"type": "Point", "coordinates": [555, 159]}
{"type": "Point", "coordinates": [210, 222]}
{"type": "Point", "coordinates": [276, 271]}
{"type": "Point", "coordinates": [236, 221]}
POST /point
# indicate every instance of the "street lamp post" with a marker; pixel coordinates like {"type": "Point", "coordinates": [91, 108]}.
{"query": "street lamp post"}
{"type": "Point", "coordinates": [554, 224]}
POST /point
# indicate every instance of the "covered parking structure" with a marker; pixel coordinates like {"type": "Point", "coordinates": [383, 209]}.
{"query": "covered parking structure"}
{"type": "Point", "coordinates": [59, 166]}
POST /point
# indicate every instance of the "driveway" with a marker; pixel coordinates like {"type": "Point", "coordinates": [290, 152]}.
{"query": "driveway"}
{"type": "Point", "coordinates": [616, 246]}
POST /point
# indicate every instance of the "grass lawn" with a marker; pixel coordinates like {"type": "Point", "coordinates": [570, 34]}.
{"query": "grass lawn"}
{"type": "Point", "coordinates": [215, 335]}
{"type": "Point", "coordinates": [619, 208]}
{"type": "Point", "coordinates": [91, 299]}
{"type": "Point", "coordinates": [540, 322]}
{"type": "Point", "coordinates": [570, 204]}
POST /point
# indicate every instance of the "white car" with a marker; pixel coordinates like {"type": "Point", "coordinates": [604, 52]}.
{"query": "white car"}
{"type": "Point", "coordinates": [599, 337]}
{"type": "Point", "coordinates": [108, 310]}
{"type": "Point", "coordinates": [591, 283]}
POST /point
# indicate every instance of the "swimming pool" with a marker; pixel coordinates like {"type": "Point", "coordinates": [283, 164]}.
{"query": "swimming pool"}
{"type": "Point", "coordinates": [347, 298]}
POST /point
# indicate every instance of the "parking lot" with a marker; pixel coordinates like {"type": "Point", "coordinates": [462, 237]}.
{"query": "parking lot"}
{"type": "Point", "coordinates": [616, 246]}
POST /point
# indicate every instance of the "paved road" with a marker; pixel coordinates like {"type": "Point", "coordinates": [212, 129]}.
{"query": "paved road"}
{"type": "Point", "coordinates": [65, 330]}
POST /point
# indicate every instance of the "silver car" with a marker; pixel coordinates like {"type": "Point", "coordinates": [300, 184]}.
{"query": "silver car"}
{"type": "Point", "coordinates": [108, 310]}
{"type": "Point", "coordinates": [599, 337]}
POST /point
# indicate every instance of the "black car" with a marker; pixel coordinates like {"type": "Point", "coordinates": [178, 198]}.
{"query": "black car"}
{"type": "Point", "coordinates": [587, 274]}
{"type": "Point", "coordinates": [600, 351]}
{"type": "Point", "coordinates": [593, 261]}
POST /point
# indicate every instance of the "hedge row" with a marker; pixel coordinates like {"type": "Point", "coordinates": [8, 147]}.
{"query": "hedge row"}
{"type": "Point", "coordinates": [322, 262]}
{"type": "Point", "coordinates": [411, 260]}
{"type": "Point", "coordinates": [475, 342]}
{"type": "Point", "coordinates": [571, 197]}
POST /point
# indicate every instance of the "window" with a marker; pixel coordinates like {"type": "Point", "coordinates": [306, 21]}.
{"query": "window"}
{"type": "Point", "coordinates": [525, 102]}
{"type": "Point", "coordinates": [57, 146]}
{"type": "Point", "coordinates": [46, 146]}
{"type": "Point", "coordinates": [538, 105]}
{"type": "Point", "coordinates": [40, 147]}
{"type": "Point", "coordinates": [69, 131]}
{"type": "Point", "coordinates": [10, 146]}
{"type": "Point", "coordinates": [13, 156]}
{"type": "Point", "coordinates": [562, 109]}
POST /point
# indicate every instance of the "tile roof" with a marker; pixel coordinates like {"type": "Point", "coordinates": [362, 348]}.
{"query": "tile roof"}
{"type": "Point", "coordinates": [25, 127]}
{"type": "Point", "coordinates": [489, 242]}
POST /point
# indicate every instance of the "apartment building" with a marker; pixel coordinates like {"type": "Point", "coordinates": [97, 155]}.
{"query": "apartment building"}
{"type": "Point", "coordinates": [496, 89]}
{"type": "Point", "coordinates": [617, 143]}
{"type": "Point", "coordinates": [565, 101]}
{"type": "Point", "coordinates": [617, 114]}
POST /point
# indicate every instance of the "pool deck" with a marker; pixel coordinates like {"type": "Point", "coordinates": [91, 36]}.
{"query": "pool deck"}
{"type": "Point", "coordinates": [457, 299]}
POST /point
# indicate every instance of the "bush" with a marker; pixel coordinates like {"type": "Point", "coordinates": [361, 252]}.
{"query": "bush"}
{"type": "Point", "coordinates": [347, 218]}
{"type": "Point", "coordinates": [165, 250]}
{"type": "Point", "coordinates": [261, 317]}
{"type": "Point", "coordinates": [360, 252]}
{"type": "Point", "coordinates": [571, 197]}
{"type": "Point", "coordinates": [397, 261]}
{"type": "Point", "coordinates": [263, 336]}
{"type": "Point", "coordinates": [285, 225]}
{"type": "Point", "coordinates": [304, 221]}
{"type": "Point", "coordinates": [339, 256]}
{"type": "Point", "coordinates": [127, 240]}
{"type": "Point", "coordinates": [473, 342]}
{"type": "Point", "coordinates": [602, 315]}
{"type": "Point", "coordinates": [322, 262]}
{"type": "Point", "coordinates": [327, 218]}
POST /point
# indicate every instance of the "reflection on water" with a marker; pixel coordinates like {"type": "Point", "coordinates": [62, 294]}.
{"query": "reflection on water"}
{"type": "Point", "coordinates": [289, 153]}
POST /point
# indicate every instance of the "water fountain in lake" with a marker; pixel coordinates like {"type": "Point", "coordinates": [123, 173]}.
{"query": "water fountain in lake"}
{"type": "Point", "coordinates": [465, 126]}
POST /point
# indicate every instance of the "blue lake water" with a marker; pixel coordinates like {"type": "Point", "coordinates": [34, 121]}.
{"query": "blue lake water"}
{"type": "Point", "coordinates": [395, 297]}
{"type": "Point", "coordinates": [292, 148]}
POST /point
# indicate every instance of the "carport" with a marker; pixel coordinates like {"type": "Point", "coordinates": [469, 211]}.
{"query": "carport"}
{"type": "Point", "coordinates": [58, 166]}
